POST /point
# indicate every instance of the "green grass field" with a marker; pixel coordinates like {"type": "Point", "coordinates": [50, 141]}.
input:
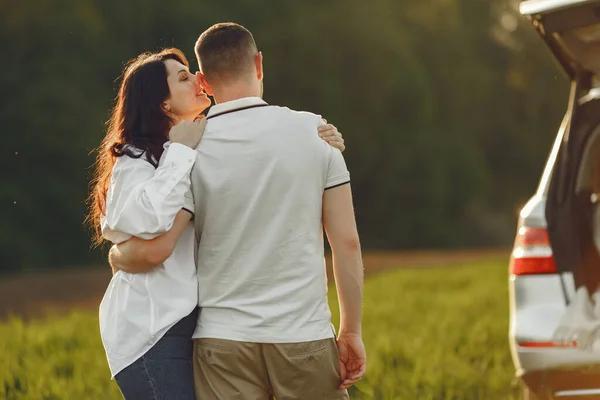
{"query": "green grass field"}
{"type": "Point", "coordinates": [435, 333]}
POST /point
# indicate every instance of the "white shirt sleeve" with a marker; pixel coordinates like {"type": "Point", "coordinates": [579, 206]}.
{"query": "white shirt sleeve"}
{"type": "Point", "coordinates": [188, 202]}
{"type": "Point", "coordinates": [142, 201]}
{"type": "Point", "coordinates": [337, 172]}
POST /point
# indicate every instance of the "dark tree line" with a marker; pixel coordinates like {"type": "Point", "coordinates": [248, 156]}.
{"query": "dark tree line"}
{"type": "Point", "coordinates": [448, 108]}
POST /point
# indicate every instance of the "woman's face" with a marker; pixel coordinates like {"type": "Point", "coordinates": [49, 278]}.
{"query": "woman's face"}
{"type": "Point", "coordinates": [187, 97]}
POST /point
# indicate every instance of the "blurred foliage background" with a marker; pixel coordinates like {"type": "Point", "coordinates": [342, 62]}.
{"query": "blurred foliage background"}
{"type": "Point", "coordinates": [448, 107]}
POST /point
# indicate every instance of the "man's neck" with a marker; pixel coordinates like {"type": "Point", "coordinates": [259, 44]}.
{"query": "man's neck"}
{"type": "Point", "coordinates": [234, 92]}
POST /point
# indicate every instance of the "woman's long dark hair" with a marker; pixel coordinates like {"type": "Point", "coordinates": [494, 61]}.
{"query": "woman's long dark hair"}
{"type": "Point", "coordinates": [138, 126]}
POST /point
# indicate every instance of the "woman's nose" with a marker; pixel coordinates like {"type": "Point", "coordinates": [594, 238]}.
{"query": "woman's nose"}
{"type": "Point", "coordinates": [198, 83]}
{"type": "Point", "coordinates": [197, 75]}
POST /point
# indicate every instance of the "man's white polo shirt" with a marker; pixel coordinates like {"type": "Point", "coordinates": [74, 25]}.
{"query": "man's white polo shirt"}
{"type": "Point", "coordinates": [258, 185]}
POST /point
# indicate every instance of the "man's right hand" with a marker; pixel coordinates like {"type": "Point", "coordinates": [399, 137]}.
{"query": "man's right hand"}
{"type": "Point", "coordinates": [188, 133]}
{"type": "Point", "coordinates": [353, 359]}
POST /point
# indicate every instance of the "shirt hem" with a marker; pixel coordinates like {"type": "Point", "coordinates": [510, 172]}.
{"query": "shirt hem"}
{"type": "Point", "coordinates": [343, 178]}
{"type": "Point", "coordinates": [227, 334]}
{"type": "Point", "coordinates": [137, 355]}
{"type": "Point", "coordinates": [188, 210]}
{"type": "Point", "coordinates": [337, 185]}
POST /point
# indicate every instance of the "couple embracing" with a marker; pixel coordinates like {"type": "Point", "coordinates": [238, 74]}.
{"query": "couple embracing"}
{"type": "Point", "coordinates": [219, 288]}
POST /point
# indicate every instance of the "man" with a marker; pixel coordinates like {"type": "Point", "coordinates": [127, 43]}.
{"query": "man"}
{"type": "Point", "coordinates": [264, 187]}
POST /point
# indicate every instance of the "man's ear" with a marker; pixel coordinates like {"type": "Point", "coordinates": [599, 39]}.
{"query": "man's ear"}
{"type": "Point", "coordinates": [258, 61]}
{"type": "Point", "coordinates": [202, 79]}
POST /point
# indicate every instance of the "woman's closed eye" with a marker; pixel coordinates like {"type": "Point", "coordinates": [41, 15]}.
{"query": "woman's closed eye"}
{"type": "Point", "coordinates": [184, 76]}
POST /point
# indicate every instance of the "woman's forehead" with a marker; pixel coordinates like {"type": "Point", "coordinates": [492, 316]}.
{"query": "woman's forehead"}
{"type": "Point", "coordinates": [175, 67]}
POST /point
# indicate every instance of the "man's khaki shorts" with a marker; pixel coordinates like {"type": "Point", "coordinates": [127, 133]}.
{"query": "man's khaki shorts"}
{"type": "Point", "coordinates": [231, 370]}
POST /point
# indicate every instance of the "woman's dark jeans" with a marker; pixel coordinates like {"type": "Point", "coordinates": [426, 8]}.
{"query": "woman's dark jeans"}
{"type": "Point", "coordinates": [165, 371]}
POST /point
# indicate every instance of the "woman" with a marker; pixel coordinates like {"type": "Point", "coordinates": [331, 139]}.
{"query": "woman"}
{"type": "Point", "coordinates": [140, 191]}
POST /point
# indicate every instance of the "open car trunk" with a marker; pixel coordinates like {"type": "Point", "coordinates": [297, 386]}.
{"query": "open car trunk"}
{"type": "Point", "coordinates": [571, 30]}
{"type": "Point", "coordinates": [571, 203]}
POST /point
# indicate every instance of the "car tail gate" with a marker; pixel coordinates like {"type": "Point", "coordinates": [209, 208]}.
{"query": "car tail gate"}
{"type": "Point", "coordinates": [571, 29]}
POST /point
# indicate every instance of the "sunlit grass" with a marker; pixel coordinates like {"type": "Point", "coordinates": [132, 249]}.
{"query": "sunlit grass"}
{"type": "Point", "coordinates": [430, 334]}
{"type": "Point", "coordinates": [438, 334]}
{"type": "Point", "coordinates": [54, 359]}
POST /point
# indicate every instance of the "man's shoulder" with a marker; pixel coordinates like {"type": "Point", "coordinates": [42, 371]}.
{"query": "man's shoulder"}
{"type": "Point", "coordinates": [304, 116]}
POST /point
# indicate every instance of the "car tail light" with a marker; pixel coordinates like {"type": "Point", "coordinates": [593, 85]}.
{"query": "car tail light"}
{"type": "Point", "coordinates": [532, 253]}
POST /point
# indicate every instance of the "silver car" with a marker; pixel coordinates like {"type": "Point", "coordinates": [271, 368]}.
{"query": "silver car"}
{"type": "Point", "coordinates": [555, 265]}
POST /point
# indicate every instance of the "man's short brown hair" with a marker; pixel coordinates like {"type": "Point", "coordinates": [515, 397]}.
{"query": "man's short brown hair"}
{"type": "Point", "coordinates": [226, 52]}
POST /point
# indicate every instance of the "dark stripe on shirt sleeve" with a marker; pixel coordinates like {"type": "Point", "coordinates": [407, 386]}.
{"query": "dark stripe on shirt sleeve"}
{"type": "Point", "coordinates": [339, 184]}
{"type": "Point", "coordinates": [190, 211]}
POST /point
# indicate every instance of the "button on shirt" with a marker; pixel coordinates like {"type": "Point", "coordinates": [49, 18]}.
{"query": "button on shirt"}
{"type": "Point", "coordinates": [142, 201]}
{"type": "Point", "coordinates": [258, 185]}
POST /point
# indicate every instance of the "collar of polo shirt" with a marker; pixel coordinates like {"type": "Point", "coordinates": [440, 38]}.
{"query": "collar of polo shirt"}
{"type": "Point", "coordinates": [236, 105]}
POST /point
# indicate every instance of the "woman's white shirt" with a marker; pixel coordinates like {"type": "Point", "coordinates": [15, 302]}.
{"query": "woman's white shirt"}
{"type": "Point", "coordinates": [142, 201]}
